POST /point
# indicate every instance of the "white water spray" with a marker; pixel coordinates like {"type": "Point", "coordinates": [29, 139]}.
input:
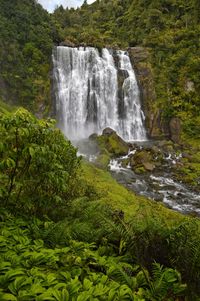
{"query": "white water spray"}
{"type": "Point", "coordinates": [87, 93]}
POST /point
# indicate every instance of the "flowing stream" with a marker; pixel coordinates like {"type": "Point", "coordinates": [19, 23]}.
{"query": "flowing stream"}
{"type": "Point", "coordinates": [159, 186]}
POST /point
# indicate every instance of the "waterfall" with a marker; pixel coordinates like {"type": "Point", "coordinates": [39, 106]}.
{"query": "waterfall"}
{"type": "Point", "coordinates": [94, 91]}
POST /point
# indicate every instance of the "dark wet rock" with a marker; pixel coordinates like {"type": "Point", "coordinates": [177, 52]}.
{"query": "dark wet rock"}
{"type": "Point", "coordinates": [187, 156]}
{"type": "Point", "coordinates": [93, 137]}
{"type": "Point", "coordinates": [139, 54]}
{"type": "Point", "coordinates": [109, 145]}
{"type": "Point", "coordinates": [142, 161]}
{"type": "Point", "coordinates": [125, 162]}
{"type": "Point", "coordinates": [165, 144]}
{"type": "Point", "coordinates": [155, 149]}
{"type": "Point", "coordinates": [121, 76]}
{"type": "Point", "coordinates": [175, 129]}
{"type": "Point", "coordinates": [108, 131]}
{"type": "Point", "coordinates": [140, 58]}
{"type": "Point", "coordinates": [149, 166]}
{"type": "Point", "coordinates": [158, 197]}
{"type": "Point", "coordinates": [141, 157]}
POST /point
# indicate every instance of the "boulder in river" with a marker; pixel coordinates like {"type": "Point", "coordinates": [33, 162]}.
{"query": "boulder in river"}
{"type": "Point", "coordinates": [113, 143]}
{"type": "Point", "coordinates": [142, 161]}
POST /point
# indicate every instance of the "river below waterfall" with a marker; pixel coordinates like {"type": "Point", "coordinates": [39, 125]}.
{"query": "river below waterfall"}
{"type": "Point", "coordinates": [159, 185]}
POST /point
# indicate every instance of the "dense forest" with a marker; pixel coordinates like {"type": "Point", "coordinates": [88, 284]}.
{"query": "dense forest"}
{"type": "Point", "coordinates": [68, 230]}
{"type": "Point", "coordinates": [27, 35]}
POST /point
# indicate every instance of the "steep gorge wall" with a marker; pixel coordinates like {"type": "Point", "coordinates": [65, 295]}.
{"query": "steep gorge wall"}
{"type": "Point", "coordinates": [156, 125]}
{"type": "Point", "coordinates": [140, 60]}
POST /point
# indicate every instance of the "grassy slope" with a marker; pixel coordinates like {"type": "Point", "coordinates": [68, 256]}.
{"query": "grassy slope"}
{"type": "Point", "coordinates": [120, 198]}
{"type": "Point", "coordinates": [160, 234]}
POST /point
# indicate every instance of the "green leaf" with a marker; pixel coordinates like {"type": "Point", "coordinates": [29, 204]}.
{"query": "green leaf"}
{"type": "Point", "coordinates": [31, 151]}
{"type": "Point", "coordinates": [8, 297]}
{"type": "Point", "coordinates": [19, 283]}
{"type": "Point", "coordinates": [73, 286]}
{"type": "Point", "coordinates": [10, 163]}
{"type": "Point", "coordinates": [87, 284]}
{"type": "Point", "coordinates": [13, 274]}
{"type": "Point", "coordinates": [61, 295]}
{"type": "Point", "coordinates": [84, 296]}
{"type": "Point", "coordinates": [47, 296]}
{"type": "Point", "coordinates": [111, 295]}
{"type": "Point", "coordinates": [65, 276]}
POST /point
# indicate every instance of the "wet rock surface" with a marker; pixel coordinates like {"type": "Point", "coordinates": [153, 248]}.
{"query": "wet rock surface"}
{"type": "Point", "coordinates": [140, 58]}
{"type": "Point", "coordinates": [175, 129]}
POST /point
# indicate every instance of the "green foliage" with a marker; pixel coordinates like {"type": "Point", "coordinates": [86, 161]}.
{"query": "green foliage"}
{"type": "Point", "coordinates": [44, 260]}
{"type": "Point", "coordinates": [31, 271]}
{"type": "Point", "coordinates": [27, 34]}
{"type": "Point", "coordinates": [5, 108]}
{"type": "Point", "coordinates": [38, 165]}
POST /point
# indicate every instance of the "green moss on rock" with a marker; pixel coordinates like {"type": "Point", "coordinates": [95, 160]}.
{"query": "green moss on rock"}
{"type": "Point", "coordinates": [113, 143]}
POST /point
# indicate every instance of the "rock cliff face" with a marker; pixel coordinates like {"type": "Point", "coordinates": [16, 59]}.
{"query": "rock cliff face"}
{"type": "Point", "coordinates": [140, 59]}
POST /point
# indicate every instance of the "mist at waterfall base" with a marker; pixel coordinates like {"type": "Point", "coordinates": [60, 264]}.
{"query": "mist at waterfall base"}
{"type": "Point", "coordinates": [95, 90]}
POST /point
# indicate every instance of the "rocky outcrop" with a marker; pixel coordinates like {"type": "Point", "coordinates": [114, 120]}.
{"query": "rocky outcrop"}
{"type": "Point", "coordinates": [108, 131]}
{"type": "Point", "coordinates": [175, 129]}
{"type": "Point", "coordinates": [140, 59]}
{"type": "Point", "coordinates": [142, 161]}
{"type": "Point", "coordinates": [113, 143]}
{"type": "Point", "coordinates": [106, 146]}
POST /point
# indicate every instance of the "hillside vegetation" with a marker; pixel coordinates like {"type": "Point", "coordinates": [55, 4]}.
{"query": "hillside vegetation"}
{"type": "Point", "coordinates": [27, 35]}
{"type": "Point", "coordinates": [70, 232]}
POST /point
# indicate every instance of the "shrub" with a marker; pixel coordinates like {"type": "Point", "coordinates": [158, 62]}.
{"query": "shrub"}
{"type": "Point", "coordinates": [38, 168]}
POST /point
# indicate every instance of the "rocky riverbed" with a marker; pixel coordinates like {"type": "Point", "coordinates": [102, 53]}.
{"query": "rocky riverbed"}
{"type": "Point", "coordinates": [155, 169]}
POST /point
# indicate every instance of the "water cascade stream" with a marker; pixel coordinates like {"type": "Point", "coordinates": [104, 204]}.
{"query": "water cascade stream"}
{"type": "Point", "coordinates": [97, 90]}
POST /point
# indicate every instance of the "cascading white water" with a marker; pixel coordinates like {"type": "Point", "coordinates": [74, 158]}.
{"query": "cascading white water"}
{"type": "Point", "coordinates": [132, 125]}
{"type": "Point", "coordinates": [92, 93]}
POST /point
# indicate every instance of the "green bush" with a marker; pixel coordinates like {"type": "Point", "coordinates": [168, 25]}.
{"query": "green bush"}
{"type": "Point", "coordinates": [38, 168]}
